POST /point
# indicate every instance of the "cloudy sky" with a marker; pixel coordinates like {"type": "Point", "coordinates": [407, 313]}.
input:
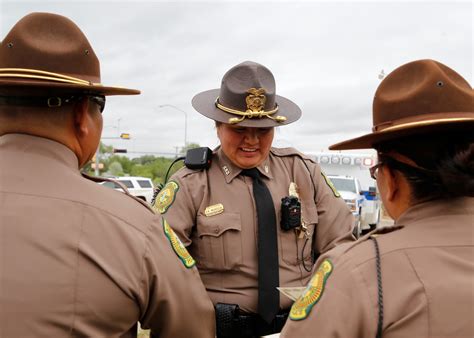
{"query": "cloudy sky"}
{"type": "Point", "coordinates": [325, 55]}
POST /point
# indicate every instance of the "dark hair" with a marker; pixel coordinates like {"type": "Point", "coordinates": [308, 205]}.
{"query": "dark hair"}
{"type": "Point", "coordinates": [448, 160]}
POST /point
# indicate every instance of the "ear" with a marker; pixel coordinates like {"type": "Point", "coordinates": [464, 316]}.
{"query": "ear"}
{"type": "Point", "coordinates": [81, 119]}
{"type": "Point", "coordinates": [392, 182]}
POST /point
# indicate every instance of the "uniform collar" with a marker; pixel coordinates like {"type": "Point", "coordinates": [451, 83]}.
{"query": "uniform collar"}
{"type": "Point", "coordinates": [40, 146]}
{"type": "Point", "coordinates": [436, 208]}
{"type": "Point", "coordinates": [231, 171]}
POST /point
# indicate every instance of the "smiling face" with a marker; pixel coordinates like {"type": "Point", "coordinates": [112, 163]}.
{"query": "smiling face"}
{"type": "Point", "coordinates": [244, 146]}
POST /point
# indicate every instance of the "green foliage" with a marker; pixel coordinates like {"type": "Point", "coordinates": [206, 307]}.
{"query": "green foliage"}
{"type": "Point", "coordinates": [188, 146]}
{"type": "Point", "coordinates": [115, 169]}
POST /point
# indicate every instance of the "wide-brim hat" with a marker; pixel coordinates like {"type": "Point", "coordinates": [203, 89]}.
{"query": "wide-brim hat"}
{"type": "Point", "coordinates": [247, 98]}
{"type": "Point", "coordinates": [420, 97]}
{"type": "Point", "coordinates": [47, 53]}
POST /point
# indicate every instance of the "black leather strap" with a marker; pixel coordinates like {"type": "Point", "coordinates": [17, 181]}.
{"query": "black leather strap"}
{"type": "Point", "coordinates": [36, 101]}
{"type": "Point", "coordinates": [231, 322]}
{"type": "Point", "coordinates": [225, 314]}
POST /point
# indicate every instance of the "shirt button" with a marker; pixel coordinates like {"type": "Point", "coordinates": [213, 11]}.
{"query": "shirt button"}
{"type": "Point", "coordinates": [216, 230]}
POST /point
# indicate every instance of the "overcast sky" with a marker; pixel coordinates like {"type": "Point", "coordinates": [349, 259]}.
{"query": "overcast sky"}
{"type": "Point", "coordinates": [325, 55]}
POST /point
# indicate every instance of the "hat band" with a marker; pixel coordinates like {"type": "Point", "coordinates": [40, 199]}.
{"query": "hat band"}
{"type": "Point", "coordinates": [250, 113]}
{"type": "Point", "coordinates": [43, 75]}
{"type": "Point", "coordinates": [421, 123]}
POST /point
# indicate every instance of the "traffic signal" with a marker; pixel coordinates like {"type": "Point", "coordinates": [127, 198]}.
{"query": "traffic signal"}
{"type": "Point", "coordinates": [125, 136]}
{"type": "Point", "coordinates": [119, 150]}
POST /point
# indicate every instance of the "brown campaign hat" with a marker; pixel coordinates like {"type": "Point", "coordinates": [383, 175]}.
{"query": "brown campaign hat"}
{"type": "Point", "coordinates": [419, 97]}
{"type": "Point", "coordinates": [47, 53]}
{"type": "Point", "coordinates": [247, 98]}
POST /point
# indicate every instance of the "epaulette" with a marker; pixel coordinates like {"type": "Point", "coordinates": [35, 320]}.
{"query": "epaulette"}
{"type": "Point", "coordinates": [284, 152]}
{"type": "Point", "coordinates": [384, 230]}
{"type": "Point", "coordinates": [98, 179]}
{"type": "Point", "coordinates": [344, 248]}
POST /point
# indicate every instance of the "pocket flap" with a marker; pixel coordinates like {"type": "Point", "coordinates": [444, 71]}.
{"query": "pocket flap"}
{"type": "Point", "coordinates": [216, 225]}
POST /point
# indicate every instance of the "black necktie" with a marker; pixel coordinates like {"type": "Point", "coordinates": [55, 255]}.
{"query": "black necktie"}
{"type": "Point", "coordinates": [268, 276]}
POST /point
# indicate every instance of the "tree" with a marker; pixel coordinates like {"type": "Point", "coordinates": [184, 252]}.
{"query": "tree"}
{"type": "Point", "coordinates": [115, 169]}
{"type": "Point", "coordinates": [189, 146]}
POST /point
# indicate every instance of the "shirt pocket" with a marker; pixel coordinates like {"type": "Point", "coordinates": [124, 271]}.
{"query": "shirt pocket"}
{"type": "Point", "coordinates": [219, 242]}
{"type": "Point", "coordinates": [296, 250]}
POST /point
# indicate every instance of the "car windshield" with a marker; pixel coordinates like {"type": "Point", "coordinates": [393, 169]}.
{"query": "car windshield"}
{"type": "Point", "coordinates": [111, 184]}
{"type": "Point", "coordinates": [343, 184]}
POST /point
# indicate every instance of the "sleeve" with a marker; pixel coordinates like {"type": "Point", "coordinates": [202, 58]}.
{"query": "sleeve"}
{"type": "Point", "coordinates": [174, 301]}
{"type": "Point", "coordinates": [175, 204]}
{"type": "Point", "coordinates": [341, 309]}
{"type": "Point", "coordinates": [335, 220]}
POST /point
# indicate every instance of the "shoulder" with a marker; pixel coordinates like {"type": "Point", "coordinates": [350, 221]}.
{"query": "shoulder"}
{"type": "Point", "coordinates": [362, 251]}
{"type": "Point", "coordinates": [289, 152]}
{"type": "Point", "coordinates": [118, 206]}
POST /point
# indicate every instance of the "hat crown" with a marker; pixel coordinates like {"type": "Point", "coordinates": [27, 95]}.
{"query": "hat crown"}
{"type": "Point", "coordinates": [51, 43]}
{"type": "Point", "coordinates": [241, 78]}
{"type": "Point", "coordinates": [417, 89]}
{"type": "Point", "coordinates": [417, 98]}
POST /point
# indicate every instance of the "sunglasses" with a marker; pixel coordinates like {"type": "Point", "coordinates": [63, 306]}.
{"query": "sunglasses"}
{"type": "Point", "coordinates": [99, 100]}
{"type": "Point", "coordinates": [56, 101]}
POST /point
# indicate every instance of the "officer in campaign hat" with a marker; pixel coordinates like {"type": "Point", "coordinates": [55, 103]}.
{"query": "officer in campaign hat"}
{"type": "Point", "coordinates": [413, 279]}
{"type": "Point", "coordinates": [258, 216]}
{"type": "Point", "coordinates": [77, 258]}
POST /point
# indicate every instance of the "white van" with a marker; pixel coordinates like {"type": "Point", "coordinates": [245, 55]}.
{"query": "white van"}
{"type": "Point", "coordinates": [141, 187]}
{"type": "Point", "coordinates": [355, 166]}
{"type": "Point", "coordinates": [351, 191]}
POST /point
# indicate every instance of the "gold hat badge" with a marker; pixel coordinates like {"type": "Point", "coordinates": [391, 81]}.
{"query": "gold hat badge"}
{"type": "Point", "coordinates": [255, 101]}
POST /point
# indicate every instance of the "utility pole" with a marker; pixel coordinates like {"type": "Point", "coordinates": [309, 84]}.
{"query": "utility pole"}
{"type": "Point", "coordinates": [185, 121]}
{"type": "Point", "coordinates": [123, 136]}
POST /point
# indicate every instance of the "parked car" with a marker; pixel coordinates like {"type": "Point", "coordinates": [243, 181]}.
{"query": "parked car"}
{"type": "Point", "coordinates": [350, 190]}
{"type": "Point", "coordinates": [141, 187]}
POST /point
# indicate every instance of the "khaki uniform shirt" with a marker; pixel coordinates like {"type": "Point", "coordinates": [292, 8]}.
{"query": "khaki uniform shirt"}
{"type": "Point", "coordinates": [80, 259]}
{"type": "Point", "coordinates": [427, 270]}
{"type": "Point", "coordinates": [225, 244]}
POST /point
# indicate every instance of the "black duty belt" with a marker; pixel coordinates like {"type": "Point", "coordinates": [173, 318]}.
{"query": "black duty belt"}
{"type": "Point", "coordinates": [231, 322]}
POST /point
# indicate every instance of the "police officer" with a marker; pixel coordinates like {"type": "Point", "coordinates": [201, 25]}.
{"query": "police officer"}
{"type": "Point", "coordinates": [413, 279]}
{"type": "Point", "coordinates": [77, 258]}
{"type": "Point", "coordinates": [255, 219]}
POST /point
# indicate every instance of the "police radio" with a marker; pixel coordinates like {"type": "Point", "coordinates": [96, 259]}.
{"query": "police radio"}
{"type": "Point", "coordinates": [290, 213]}
{"type": "Point", "coordinates": [198, 158]}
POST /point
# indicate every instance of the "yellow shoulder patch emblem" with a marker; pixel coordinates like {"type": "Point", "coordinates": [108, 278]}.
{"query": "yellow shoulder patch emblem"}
{"type": "Point", "coordinates": [311, 295]}
{"type": "Point", "coordinates": [178, 246]}
{"type": "Point", "coordinates": [166, 197]}
{"type": "Point", "coordinates": [331, 185]}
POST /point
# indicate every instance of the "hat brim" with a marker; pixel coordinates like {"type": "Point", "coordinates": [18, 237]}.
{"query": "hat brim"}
{"type": "Point", "coordinates": [10, 86]}
{"type": "Point", "coordinates": [456, 122]}
{"type": "Point", "coordinates": [204, 103]}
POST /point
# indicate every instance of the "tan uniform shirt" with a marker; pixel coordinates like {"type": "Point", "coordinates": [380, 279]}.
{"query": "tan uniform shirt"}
{"type": "Point", "coordinates": [427, 280]}
{"type": "Point", "coordinates": [80, 259]}
{"type": "Point", "coordinates": [225, 244]}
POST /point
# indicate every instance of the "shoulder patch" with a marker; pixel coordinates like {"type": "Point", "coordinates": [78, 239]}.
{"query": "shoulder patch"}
{"type": "Point", "coordinates": [331, 185]}
{"type": "Point", "coordinates": [178, 247]}
{"type": "Point", "coordinates": [313, 292]}
{"type": "Point", "coordinates": [166, 197]}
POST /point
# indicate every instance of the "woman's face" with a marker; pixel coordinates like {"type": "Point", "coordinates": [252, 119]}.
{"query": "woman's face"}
{"type": "Point", "coordinates": [246, 147]}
